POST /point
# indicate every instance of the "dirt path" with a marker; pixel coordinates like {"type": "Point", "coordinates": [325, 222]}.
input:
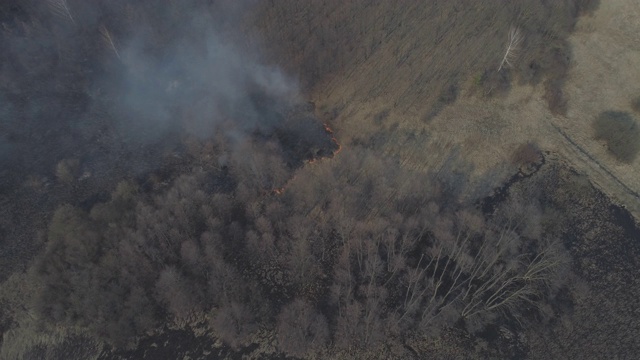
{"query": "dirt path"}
{"type": "Point", "coordinates": [604, 76]}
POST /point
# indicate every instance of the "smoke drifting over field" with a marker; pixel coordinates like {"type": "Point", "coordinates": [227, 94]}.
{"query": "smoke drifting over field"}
{"type": "Point", "coordinates": [93, 92]}
{"type": "Point", "coordinates": [106, 81]}
{"type": "Point", "coordinates": [202, 77]}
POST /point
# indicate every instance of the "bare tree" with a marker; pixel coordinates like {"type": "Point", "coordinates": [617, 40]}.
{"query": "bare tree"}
{"type": "Point", "coordinates": [173, 289]}
{"type": "Point", "coordinates": [108, 39]}
{"type": "Point", "coordinates": [61, 8]}
{"type": "Point", "coordinates": [234, 323]}
{"type": "Point", "coordinates": [301, 328]}
{"type": "Point", "coordinates": [513, 43]}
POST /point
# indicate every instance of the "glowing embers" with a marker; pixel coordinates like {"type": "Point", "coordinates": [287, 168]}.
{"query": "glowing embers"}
{"type": "Point", "coordinates": [338, 147]}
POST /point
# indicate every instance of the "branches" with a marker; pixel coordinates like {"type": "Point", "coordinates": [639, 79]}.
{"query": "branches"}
{"type": "Point", "coordinates": [61, 8]}
{"type": "Point", "coordinates": [512, 285]}
{"type": "Point", "coordinates": [515, 39]}
{"type": "Point", "coordinates": [476, 274]}
{"type": "Point", "coordinates": [106, 36]}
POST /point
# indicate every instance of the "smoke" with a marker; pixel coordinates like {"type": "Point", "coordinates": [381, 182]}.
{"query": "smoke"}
{"type": "Point", "coordinates": [116, 83]}
{"type": "Point", "coordinates": [199, 81]}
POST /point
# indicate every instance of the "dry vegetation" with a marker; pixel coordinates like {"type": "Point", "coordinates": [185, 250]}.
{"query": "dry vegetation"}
{"type": "Point", "coordinates": [461, 40]}
{"type": "Point", "coordinates": [620, 132]}
{"type": "Point", "coordinates": [266, 232]}
{"type": "Point", "coordinates": [385, 254]}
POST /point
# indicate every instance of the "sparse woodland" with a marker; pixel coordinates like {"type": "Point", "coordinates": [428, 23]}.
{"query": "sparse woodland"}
{"type": "Point", "coordinates": [359, 255]}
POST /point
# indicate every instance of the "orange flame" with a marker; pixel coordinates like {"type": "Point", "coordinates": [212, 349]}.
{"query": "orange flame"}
{"type": "Point", "coordinates": [338, 149]}
{"type": "Point", "coordinates": [333, 139]}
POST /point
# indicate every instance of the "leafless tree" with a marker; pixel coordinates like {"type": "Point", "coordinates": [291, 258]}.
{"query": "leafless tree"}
{"type": "Point", "coordinates": [172, 287]}
{"type": "Point", "coordinates": [513, 43]}
{"type": "Point", "coordinates": [234, 323]}
{"type": "Point", "coordinates": [61, 8]}
{"type": "Point", "coordinates": [108, 39]}
{"type": "Point", "coordinates": [301, 329]}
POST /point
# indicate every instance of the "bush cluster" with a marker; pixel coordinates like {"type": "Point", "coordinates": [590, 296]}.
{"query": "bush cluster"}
{"type": "Point", "coordinates": [621, 134]}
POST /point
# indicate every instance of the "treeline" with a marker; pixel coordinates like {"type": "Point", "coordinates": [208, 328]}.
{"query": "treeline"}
{"type": "Point", "coordinates": [355, 252]}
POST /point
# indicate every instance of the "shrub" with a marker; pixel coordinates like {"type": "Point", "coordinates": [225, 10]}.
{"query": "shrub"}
{"type": "Point", "coordinates": [620, 132]}
{"type": "Point", "coordinates": [67, 170]}
{"type": "Point", "coordinates": [527, 154]}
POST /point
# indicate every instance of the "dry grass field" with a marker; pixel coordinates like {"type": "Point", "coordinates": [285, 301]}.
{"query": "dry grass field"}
{"type": "Point", "coordinates": [384, 75]}
{"type": "Point", "coordinates": [384, 95]}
